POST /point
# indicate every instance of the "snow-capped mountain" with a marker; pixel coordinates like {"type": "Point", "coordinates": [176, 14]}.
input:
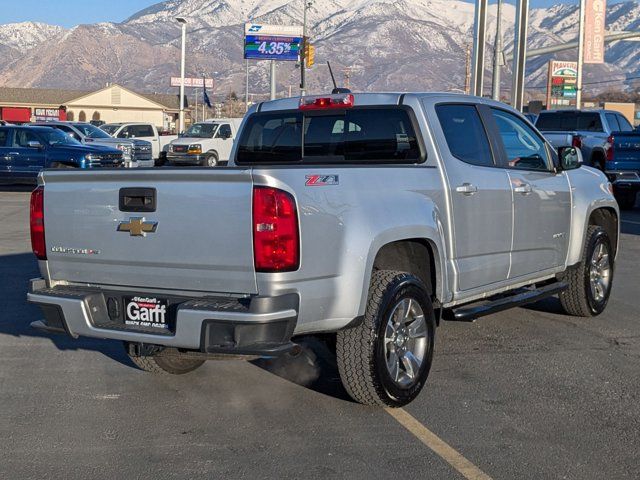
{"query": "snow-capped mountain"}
{"type": "Point", "coordinates": [384, 44]}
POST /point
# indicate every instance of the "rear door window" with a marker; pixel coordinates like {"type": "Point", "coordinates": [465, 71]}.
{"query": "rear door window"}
{"type": "Point", "coordinates": [4, 136]}
{"type": "Point", "coordinates": [359, 135]}
{"type": "Point", "coordinates": [625, 126]}
{"type": "Point", "coordinates": [569, 122]}
{"type": "Point", "coordinates": [142, 131]}
{"type": "Point", "coordinates": [614, 126]}
{"type": "Point", "coordinates": [465, 134]}
{"type": "Point", "coordinates": [23, 137]}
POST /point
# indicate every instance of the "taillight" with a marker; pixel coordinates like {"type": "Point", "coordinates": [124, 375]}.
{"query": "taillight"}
{"type": "Point", "coordinates": [321, 102]}
{"type": "Point", "coordinates": [36, 222]}
{"type": "Point", "coordinates": [610, 150]}
{"type": "Point", "coordinates": [576, 141]}
{"type": "Point", "coordinates": [276, 242]}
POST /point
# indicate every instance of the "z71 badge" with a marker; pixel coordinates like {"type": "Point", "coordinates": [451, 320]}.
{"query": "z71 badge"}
{"type": "Point", "coordinates": [321, 180]}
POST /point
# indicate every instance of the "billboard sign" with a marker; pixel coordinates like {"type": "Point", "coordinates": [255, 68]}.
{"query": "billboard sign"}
{"type": "Point", "coordinates": [561, 87]}
{"type": "Point", "coordinates": [192, 82]}
{"type": "Point", "coordinates": [272, 42]}
{"type": "Point", "coordinates": [47, 114]}
{"type": "Point", "coordinates": [594, 31]}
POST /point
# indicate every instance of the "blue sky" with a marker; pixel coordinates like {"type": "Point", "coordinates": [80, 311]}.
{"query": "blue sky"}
{"type": "Point", "coordinates": [73, 12]}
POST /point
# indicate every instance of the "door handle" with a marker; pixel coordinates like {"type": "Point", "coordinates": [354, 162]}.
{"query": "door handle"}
{"type": "Point", "coordinates": [524, 189]}
{"type": "Point", "coordinates": [13, 154]}
{"type": "Point", "coordinates": [466, 189]}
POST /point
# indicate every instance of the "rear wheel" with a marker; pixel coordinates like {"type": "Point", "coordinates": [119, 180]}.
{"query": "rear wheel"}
{"type": "Point", "coordinates": [167, 361]}
{"type": "Point", "coordinates": [590, 283]}
{"type": "Point", "coordinates": [386, 359]}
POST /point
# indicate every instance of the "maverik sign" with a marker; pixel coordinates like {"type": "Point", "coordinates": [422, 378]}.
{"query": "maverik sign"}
{"type": "Point", "coordinates": [272, 42]}
{"type": "Point", "coordinates": [561, 87]}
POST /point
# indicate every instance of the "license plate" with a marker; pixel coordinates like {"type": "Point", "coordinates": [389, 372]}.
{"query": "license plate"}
{"type": "Point", "coordinates": [146, 312]}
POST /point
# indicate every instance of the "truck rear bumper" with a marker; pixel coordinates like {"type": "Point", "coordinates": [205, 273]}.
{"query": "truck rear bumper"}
{"type": "Point", "coordinates": [246, 326]}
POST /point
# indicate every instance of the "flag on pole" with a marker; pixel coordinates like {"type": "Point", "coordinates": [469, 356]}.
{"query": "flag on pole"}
{"type": "Point", "coordinates": [204, 90]}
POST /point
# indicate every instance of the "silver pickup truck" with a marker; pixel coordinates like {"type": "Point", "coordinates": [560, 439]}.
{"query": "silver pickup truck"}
{"type": "Point", "coordinates": [368, 218]}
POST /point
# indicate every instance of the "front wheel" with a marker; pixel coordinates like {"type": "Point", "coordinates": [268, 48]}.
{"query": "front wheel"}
{"type": "Point", "coordinates": [211, 160]}
{"type": "Point", "coordinates": [167, 361]}
{"type": "Point", "coordinates": [590, 283]}
{"type": "Point", "coordinates": [386, 359]}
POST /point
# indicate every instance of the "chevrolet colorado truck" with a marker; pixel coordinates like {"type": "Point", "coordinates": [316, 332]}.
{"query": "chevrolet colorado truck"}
{"type": "Point", "coordinates": [136, 153]}
{"type": "Point", "coordinates": [366, 218]}
{"type": "Point", "coordinates": [26, 150]}
{"type": "Point", "coordinates": [206, 144]}
{"type": "Point", "coordinates": [607, 140]}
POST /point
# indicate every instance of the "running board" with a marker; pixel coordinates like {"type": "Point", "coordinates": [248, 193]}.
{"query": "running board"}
{"type": "Point", "coordinates": [517, 298]}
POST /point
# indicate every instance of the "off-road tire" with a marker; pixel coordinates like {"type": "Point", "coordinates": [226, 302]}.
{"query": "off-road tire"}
{"type": "Point", "coordinates": [359, 353]}
{"type": "Point", "coordinates": [168, 361]}
{"type": "Point", "coordinates": [577, 299]}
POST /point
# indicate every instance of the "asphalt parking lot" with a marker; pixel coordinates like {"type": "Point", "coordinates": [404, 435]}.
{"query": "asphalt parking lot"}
{"type": "Point", "coordinates": [528, 394]}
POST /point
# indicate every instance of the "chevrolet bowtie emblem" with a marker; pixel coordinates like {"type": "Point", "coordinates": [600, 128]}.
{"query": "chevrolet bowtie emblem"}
{"type": "Point", "coordinates": [137, 227]}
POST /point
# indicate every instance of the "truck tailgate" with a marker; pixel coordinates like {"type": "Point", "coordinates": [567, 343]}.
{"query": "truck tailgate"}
{"type": "Point", "coordinates": [202, 240]}
{"type": "Point", "coordinates": [626, 147]}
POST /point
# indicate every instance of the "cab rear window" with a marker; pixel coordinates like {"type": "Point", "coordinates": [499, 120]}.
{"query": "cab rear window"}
{"type": "Point", "coordinates": [359, 135]}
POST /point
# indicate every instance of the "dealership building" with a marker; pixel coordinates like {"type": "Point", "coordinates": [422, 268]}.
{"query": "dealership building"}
{"type": "Point", "coordinates": [113, 103]}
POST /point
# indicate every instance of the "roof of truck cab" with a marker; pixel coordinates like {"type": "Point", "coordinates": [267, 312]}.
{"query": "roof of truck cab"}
{"type": "Point", "coordinates": [383, 98]}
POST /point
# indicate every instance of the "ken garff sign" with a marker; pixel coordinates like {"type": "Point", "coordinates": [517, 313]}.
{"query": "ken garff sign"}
{"type": "Point", "coordinates": [272, 42]}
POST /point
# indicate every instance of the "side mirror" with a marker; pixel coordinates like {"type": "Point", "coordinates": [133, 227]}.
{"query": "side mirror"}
{"type": "Point", "coordinates": [570, 158]}
{"type": "Point", "coordinates": [34, 144]}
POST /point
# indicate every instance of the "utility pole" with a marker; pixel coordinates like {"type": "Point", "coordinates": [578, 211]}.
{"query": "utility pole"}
{"type": "Point", "coordinates": [273, 79]}
{"type": "Point", "coordinates": [303, 65]}
{"type": "Point", "coordinates": [467, 76]}
{"type": "Point", "coordinates": [497, 55]}
{"type": "Point", "coordinates": [580, 55]}
{"type": "Point", "coordinates": [246, 87]}
{"type": "Point", "coordinates": [183, 24]}
{"type": "Point", "coordinates": [520, 54]}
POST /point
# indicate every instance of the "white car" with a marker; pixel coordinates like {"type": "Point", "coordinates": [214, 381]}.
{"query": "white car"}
{"type": "Point", "coordinates": [206, 144]}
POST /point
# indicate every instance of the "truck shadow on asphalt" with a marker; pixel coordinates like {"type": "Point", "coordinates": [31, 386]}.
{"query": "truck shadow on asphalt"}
{"type": "Point", "coordinates": [16, 314]}
{"type": "Point", "coordinates": [631, 222]}
{"type": "Point", "coordinates": [313, 366]}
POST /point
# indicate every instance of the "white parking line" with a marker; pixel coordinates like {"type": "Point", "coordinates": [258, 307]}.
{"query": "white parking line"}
{"type": "Point", "coordinates": [437, 445]}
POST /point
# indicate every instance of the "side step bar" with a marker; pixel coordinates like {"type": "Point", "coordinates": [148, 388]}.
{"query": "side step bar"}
{"type": "Point", "coordinates": [472, 311]}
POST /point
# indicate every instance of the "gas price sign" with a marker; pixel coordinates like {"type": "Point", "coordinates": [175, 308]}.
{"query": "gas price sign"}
{"type": "Point", "coordinates": [272, 42]}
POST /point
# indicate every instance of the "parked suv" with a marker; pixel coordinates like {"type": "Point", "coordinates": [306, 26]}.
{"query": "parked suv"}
{"type": "Point", "coordinates": [136, 153]}
{"type": "Point", "coordinates": [365, 218]}
{"type": "Point", "coordinates": [26, 150]}
{"type": "Point", "coordinates": [607, 140]}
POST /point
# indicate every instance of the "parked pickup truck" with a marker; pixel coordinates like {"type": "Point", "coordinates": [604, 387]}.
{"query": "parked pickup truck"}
{"type": "Point", "coordinates": [206, 143]}
{"type": "Point", "coordinates": [136, 153]}
{"type": "Point", "coordinates": [367, 218]}
{"type": "Point", "coordinates": [141, 131]}
{"type": "Point", "coordinates": [607, 141]}
{"type": "Point", "coordinates": [25, 151]}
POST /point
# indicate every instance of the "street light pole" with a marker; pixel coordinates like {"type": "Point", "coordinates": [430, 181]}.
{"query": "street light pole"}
{"type": "Point", "coordinates": [183, 23]}
{"type": "Point", "coordinates": [580, 54]}
{"type": "Point", "coordinates": [497, 55]}
{"type": "Point", "coordinates": [303, 62]}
